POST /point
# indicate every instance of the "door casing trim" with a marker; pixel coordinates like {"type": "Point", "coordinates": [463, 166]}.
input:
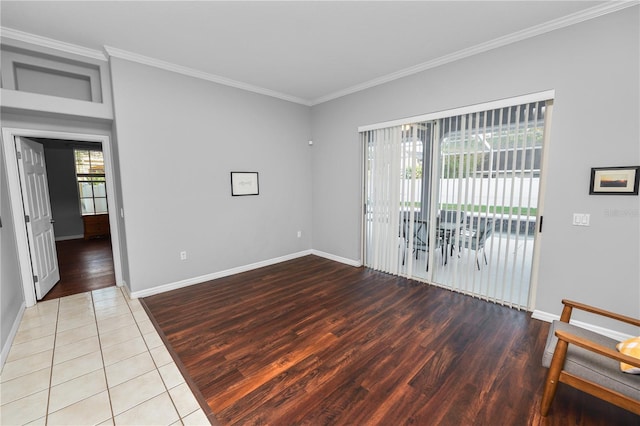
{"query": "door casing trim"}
{"type": "Point", "coordinates": [17, 209]}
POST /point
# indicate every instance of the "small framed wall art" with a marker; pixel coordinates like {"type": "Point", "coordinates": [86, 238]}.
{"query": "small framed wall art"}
{"type": "Point", "coordinates": [244, 183]}
{"type": "Point", "coordinates": [614, 180]}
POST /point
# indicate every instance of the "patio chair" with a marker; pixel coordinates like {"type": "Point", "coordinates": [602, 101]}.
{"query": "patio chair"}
{"type": "Point", "coordinates": [420, 238]}
{"type": "Point", "coordinates": [475, 237]}
{"type": "Point", "coordinates": [449, 226]}
{"type": "Point", "coordinates": [589, 361]}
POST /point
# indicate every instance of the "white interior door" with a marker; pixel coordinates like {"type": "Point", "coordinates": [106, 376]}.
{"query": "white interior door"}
{"type": "Point", "coordinates": [37, 208]}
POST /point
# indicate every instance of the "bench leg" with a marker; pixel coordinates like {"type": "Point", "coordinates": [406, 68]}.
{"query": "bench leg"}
{"type": "Point", "coordinates": [551, 384]}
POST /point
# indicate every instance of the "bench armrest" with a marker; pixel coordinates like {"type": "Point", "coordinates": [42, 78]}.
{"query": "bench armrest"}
{"type": "Point", "coordinates": [569, 305]}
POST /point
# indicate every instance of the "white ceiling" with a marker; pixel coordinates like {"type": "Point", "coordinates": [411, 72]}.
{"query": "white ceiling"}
{"type": "Point", "coordinates": [307, 52]}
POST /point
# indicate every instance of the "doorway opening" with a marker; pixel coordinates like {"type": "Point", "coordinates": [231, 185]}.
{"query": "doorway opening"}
{"type": "Point", "coordinates": [80, 207]}
{"type": "Point", "coordinates": [25, 254]}
{"type": "Point", "coordinates": [85, 265]}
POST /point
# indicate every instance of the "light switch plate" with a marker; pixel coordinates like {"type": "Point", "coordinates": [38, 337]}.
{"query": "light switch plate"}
{"type": "Point", "coordinates": [581, 219]}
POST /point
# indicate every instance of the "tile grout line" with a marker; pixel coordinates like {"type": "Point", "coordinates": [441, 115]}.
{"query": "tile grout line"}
{"type": "Point", "coordinates": [152, 358]}
{"type": "Point", "coordinates": [203, 405]}
{"type": "Point", "coordinates": [145, 344]}
{"type": "Point", "coordinates": [53, 353]}
{"type": "Point", "coordinates": [104, 367]}
{"type": "Point", "coordinates": [142, 309]}
{"type": "Point", "coordinates": [72, 343]}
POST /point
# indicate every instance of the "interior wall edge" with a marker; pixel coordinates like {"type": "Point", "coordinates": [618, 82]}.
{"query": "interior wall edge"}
{"type": "Point", "coordinates": [6, 347]}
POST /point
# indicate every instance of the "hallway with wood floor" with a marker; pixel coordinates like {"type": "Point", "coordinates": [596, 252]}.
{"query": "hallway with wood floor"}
{"type": "Point", "coordinates": [85, 265]}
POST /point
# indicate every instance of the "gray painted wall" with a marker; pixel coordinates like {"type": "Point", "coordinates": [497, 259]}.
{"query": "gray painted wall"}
{"type": "Point", "coordinates": [594, 68]}
{"type": "Point", "coordinates": [178, 140]}
{"type": "Point", "coordinates": [63, 191]}
{"type": "Point", "coordinates": [11, 294]}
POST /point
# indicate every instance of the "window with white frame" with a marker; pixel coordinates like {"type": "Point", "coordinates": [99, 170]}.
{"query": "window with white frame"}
{"type": "Point", "coordinates": [92, 187]}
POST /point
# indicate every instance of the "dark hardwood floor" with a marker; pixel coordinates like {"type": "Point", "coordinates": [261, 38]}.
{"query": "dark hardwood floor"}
{"type": "Point", "coordinates": [311, 341]}
{"type": "Point", "coordinates": [85, 265]}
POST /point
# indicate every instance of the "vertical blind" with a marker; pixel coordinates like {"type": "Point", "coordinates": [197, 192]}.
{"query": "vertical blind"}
{"type": "Point", "coordinates": [384, 161]}
{"type": "Point", "coordinates": [453, 201]}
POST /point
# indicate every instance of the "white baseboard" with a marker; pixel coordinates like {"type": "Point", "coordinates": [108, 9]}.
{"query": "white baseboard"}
{"type": "Point", "coordinates": [335, 258]}
{"type": "Point", "coordinates": [70, 237]}
{"type": "Point", "coordinates": [546, 316]}
{"type": "Point", "coordinates": [216, 275]}
{"type": "Point", "coordinates": [12, 335]}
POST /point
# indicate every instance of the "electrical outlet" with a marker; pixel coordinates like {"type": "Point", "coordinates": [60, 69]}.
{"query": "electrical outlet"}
{"type": "Point", "coordinates": [183, 255]}
{"type": "Point", "coordinates": [299, 234]}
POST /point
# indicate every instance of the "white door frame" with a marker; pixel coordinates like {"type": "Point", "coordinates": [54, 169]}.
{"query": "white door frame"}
{"type": "Point", "coordinates": [17, 209]}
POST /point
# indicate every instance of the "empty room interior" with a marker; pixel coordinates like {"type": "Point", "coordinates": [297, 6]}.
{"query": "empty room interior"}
{"type": "Point", "coordinates": [314, 212]}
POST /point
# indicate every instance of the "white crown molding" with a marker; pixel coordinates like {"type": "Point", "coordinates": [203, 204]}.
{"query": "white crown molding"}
{"type": "Point", "coordinates": [575, 18]}
{"type": "Point", "coordinates": [168, 66]}
{"type": "Point", "coordinates": [50, 43]}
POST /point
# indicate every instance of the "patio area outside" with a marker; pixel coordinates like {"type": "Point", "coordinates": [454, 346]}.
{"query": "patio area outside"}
{"type": "Point", "coordinates": [504, 277]}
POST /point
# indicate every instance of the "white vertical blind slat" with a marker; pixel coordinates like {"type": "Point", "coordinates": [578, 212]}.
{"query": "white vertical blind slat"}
{"type": "Point", "coordinates": [499, 284]}
{"type": "Point", "coordinates": [483, 214]}
{"type": "Point", "coordinates": [520, 222]}
{"type": "Point", "coordinates": [504, 204]}
{"type": "Point", "coordinates": [385, 161]}
{"type": "Point", "coordinates": [434, 172]}
{"type": "Point", "coordinates": [514, 174]}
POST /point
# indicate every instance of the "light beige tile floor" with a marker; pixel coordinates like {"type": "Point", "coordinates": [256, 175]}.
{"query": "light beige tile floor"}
{"type": "Point", "coordinates": [93, 359]}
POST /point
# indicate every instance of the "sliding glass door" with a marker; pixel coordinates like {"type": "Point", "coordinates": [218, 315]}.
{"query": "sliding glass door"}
{"type": "Point", "coordinates": [453, 200]}
{"type": "Point", "coordinates": [398, 176]}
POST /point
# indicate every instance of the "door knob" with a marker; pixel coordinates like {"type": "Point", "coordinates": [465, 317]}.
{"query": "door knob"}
{"type": "Point", "coordinates": [52, 221]}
